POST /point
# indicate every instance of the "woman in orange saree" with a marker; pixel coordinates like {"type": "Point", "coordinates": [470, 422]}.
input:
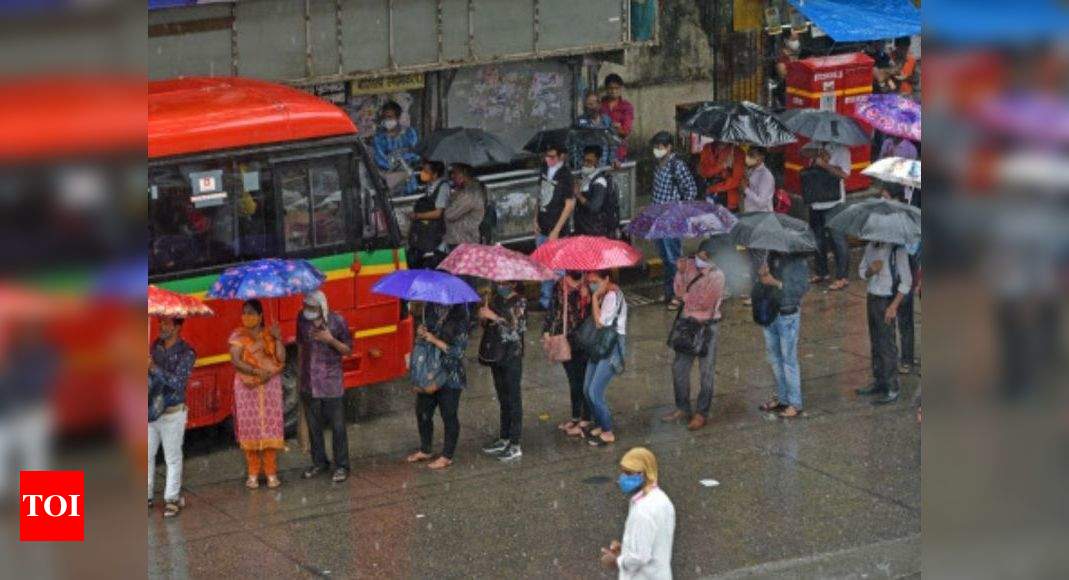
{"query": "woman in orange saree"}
{"type": "Point", "coordinates": [258, 356]}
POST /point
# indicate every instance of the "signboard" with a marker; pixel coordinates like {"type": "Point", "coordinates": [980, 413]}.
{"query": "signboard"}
{"type": "Point", "coordinates": [371, 86]}
{"type": "Point", "coordinates": [336, 93]}
{"type": "Point", "coordinates": [207, 187]}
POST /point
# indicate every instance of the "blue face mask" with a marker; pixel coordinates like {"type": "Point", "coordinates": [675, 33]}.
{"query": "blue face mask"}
{"type": "Point", "coordinates": [594, 286]}
{"type": "Point", "coordinates": [504, 291]}
{"type": "Point", "coordinates": [629, 484]}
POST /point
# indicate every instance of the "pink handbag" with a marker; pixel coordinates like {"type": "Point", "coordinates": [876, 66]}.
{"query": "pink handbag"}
{"type": "Point", "coordinates": [557, 347]}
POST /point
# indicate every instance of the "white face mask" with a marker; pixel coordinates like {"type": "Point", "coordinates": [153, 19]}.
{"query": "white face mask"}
{"type": "Point", "coordinates": [701, 263]}
{"type": "Point", "coordinates": [587, 171]}
{"type": "Point", "coordinates": [793, 45]}
{"type": "Point", "coordinates": [390, 124]}
{"type": "Point", "coordinates": [660, 152]}
{"type": "Point", "coordinates": [310, 313]}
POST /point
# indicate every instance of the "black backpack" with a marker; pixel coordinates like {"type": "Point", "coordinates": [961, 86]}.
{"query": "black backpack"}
{"type": "Point", "coordinates": [610, 210]}
{"type": "Point", "coordinates": [426, 235]}
{"type": "Point", "coordinates": [488, 226]}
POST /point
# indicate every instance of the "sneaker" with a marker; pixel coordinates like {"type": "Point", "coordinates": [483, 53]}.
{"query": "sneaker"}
{"type": "Point", "coordinates": [496, 447]}
{"type": "Point", "coordinates": [510, 452]}
{"type": "Point", "coordinates": [340, 475]}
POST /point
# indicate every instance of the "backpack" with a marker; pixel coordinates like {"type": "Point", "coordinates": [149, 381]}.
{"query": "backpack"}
{"type": "Point", "coordinates": [426, 235]}
{"type": "Point", "coordinates": [488, 226]}
{"type": "Point", "coordinates": [610, 210]}
{"type": "Point", "coordinates": [765, 304]}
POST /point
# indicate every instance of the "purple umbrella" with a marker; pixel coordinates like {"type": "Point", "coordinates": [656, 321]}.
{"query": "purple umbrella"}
{"type": "Point", "coordinates": [426, 286]}
{"type": "Point", "coordinates": [1028, 116]}
{"type": "Point", "coordinates": [682, 219]}
{"type": "Point", "coordinates": [892, 114]}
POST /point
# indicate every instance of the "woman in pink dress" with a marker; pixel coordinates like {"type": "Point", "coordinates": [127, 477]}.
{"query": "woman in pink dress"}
{"type": "Point", "coordinates": [258, 356]}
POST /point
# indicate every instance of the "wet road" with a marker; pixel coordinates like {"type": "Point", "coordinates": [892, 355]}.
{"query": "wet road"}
{"type": "Point", "coordinates": [836, 493]}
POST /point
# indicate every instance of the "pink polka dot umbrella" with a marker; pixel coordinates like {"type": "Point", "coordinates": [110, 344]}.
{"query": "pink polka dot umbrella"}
{"type": "Point", "coordinates": [495, 263]}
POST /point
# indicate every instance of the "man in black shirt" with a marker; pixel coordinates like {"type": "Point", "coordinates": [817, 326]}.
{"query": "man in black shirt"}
{"type": "Point", "coordinates": [556, 202]}
{"type": "Point", "coordinates": [593, 198]}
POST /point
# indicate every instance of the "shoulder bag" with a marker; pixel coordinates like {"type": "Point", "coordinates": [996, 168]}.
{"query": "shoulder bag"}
{"type": "Point", "coordinates": [598, 343]}
{"type": "Point", "coordinates": [557, 347]}
{"type": "Point", "coordinates": [690, 336]}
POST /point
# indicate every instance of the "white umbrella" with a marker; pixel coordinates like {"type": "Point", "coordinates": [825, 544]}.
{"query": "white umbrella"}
{"type": "Point", "coordinates": [896, 170]}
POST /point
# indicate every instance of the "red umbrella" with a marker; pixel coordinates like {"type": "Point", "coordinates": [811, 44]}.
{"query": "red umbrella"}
{"type": "Point", "coordinates": [174, 305]}
{"type": "Point", "coordinates": [494, 263]}
{"type": "Point", "coordinates": [586, 253]}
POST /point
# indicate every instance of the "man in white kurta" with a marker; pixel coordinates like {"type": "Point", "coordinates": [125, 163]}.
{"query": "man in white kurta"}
{"type": "Point", "coordinates": [646, 549]}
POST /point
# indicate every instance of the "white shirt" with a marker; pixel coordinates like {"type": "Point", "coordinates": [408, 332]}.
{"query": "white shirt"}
{"type": "Point", "coordinates": [880, 283]}
{"type": "Point", "coordinates": [612, 303]}
{"type": "Point", "coordinates": [840, 157]}
{"type": "Point", "coordinates": [646, 548]}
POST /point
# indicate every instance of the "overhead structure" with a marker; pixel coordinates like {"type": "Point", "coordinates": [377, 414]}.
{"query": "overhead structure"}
{"type": "Point", "coordinates": [861, 20]}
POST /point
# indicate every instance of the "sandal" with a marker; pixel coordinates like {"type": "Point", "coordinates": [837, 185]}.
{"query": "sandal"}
{"type": "Point", "coordinates": [790, 412]}
{"type": "Point", "coordinates": [772, 405]}
{"type": "Point", "coordinates": [568, 425]}
{"type": "Point", "coordinates": [273, 481]}
{"type": "Point", "coordinates": [818, 279]}
{"type": "Point", "coordinates": [172, 508]}
{"type": "Point", "coordinates": [598, 441]}
{"type": "Point", "coordinates": [838, 285]}
{"type": "Point", "coordinates": [418, 456]}
{"type": "Point", "coordinates": [252, 482]}
{"type": "Point", "coordinates": [440, 463]}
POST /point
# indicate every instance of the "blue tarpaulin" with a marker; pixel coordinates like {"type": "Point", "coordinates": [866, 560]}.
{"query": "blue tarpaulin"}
{"type": "Point", "coordinates": [967, 21]}
{"type": "Point", "coordinates": [859, 20]}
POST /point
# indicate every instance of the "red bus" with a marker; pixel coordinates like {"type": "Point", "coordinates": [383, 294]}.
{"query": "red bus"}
{"type": "Point", "coordinates": [240, 170]}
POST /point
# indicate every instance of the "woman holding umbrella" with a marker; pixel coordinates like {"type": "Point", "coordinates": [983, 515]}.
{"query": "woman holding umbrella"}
{"type": "Point", "coordinates": [569, 307]}
{"type": "Point", "coordinates": [609, 311]}
{"type": "Point", "coordinates": [259, 356]}
{"type": "Point", "coordinates": [504, 322]}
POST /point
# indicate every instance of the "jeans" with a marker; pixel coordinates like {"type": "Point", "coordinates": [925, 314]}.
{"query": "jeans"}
{"type": "Point", "coordinates": [781, 349]}
{"type": "Point", "coordinates": [546, 287]}
{"type": "Point", "coordinates": [448, 401]}
{"type": "Point", "coordinates": [707, 368]}
{"type": "Point", "coordinates": [598, 375]}
{"type": "Point", "coordinates": [576, 371]}
{"type": "Point", "coordinates": [829, 239]}
{"type": "Point", "coordinates": [169, 430]}
{"type": "Point", "coordinates": [670, 250]}
{"type": "Point", "coordinates": [507, 377]}
{"type": "Point", "coordinates": [323, 413]}
{"type": "Point", "coordinates": [884, 351]}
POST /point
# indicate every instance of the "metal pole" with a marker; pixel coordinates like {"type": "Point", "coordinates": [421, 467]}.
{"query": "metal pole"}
{"type": "Point", "coordinates": [389, 32]}
{"type": "Point", "coordinates": [308, 38]}
{"type": "Point", "coordinates": [438, 24]}
{"type": "Point", "coordinates": [536, 24]}
{"type": "Point", "coordinates": [233, 40]}
{"type": "Point", "coordinates": [471, 29]}
{"type": "Point", "coordinates": [338, 36]}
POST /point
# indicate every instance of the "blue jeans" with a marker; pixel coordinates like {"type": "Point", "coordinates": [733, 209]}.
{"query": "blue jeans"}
{"type": "Point", "coordinates": [781, 349]}
{"type": "Point", "coordinates": [670, 250]}
{"type": "Point", "coordinates": [598, 375]}
{"type": "Point", "coordinates": [547, 286]}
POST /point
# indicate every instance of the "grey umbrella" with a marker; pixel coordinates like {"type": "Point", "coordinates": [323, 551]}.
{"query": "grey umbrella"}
{"type": "Point", "coordinates": [473, 147]}
{"type": "Point", "coordinates": [825, 126]}
{"type": "Point", "coordinates": [765, 230]}
{"type": "Point", "coordinates": [880, 220]}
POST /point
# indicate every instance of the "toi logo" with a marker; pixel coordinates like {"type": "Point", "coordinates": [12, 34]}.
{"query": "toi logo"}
{"type": "Point", "coordinates": [51, 506]}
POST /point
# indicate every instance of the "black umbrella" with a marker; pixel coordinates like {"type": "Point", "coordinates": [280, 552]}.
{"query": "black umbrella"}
{"type": "Point", "coordinates": [473, 147]}
{"type": "Point", "coordinates": [825, 126]}
{"type": "Point", "coordinates": [734, 122]}
{"type": "Point", "coordinates": [880, 220]}
{"type": "Point", "coordinates": [573, 139]}
{"type": "Point", "coordinates": [766, 230]}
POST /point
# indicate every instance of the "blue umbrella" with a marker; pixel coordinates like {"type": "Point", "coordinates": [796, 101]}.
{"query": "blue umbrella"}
{"type": "Point", "coordinates": [426, 286]}
{"type": "Point", "coordinates": [270, 278]}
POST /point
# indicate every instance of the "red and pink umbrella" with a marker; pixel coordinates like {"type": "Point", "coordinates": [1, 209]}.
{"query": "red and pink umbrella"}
{"type": "Point", "coordinates": [892, 114]}
{"type": "Point", "coordinates": [174, 305]}
{"type": "Point", "coordinates": [495, 263]}
{"type": "Point", "coordinates": [586, 254]}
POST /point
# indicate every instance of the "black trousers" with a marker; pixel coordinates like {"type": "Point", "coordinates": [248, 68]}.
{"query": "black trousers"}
{"type": "Point", "coordinates": [507, 378]}
{"type": "Point", "coordinates": [905, 320]}
{"type": "Point", "coordinates": [827, 239]}
{"type": "Point", "coordinates": [576, 371]}
{"type": "Point", "coordinates": [448, 402]}
{"type": "Point", "coordinates": [882, 342]}
{"type": "Point", "coordinates": [321, 414]}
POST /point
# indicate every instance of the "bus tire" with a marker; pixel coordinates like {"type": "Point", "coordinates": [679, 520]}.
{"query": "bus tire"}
{"type": "Point", "coordinates": [290, 394]}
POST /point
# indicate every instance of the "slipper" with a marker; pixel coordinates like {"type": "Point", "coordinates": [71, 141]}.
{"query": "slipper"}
{"type": "Point", "coordinates": [567, 425]}
{"type": "Point", "coordinates": [772, 405]}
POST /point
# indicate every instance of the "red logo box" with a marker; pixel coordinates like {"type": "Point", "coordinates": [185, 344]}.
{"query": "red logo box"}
{"type": "Point", "coordinates": [51, 506]}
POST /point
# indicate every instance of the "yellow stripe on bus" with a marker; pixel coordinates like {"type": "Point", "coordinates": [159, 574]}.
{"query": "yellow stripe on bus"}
{"type": "Point", "coordinates": [838, 93]}
{"type": "Point", "coordinates": [379, 269]}
{"type": "Point", "coordinates": [368, 333]}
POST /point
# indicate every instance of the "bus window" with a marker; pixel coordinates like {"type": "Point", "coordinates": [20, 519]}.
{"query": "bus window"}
{"type": "Point", "coordinates": [255, 209]}
{"type": "Point", "coordinates": [312, 203]}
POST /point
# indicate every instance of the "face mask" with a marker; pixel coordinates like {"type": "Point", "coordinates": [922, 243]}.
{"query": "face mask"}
{"type": "Point", "coordinates": [701, 263]}
{"type": "Point", "coordinates": [594, 286]}
{"type": "Point", "coordinates": [587, 171]}
{"type": "Point", "coordinates": [390, 124]}
{"type": "Point", "coordinates": [751, 162]}
{"type": "Point", "coordinates": [629, 484]}
{"type": "Point", "coordinates": [504, 291]}
{"type": "Point", "coordinates": [310, 313]}
{"type": "Point", "coordinates": [250, 320]}
{"type": "Point", "coordinates": [660, 152]}
{"type": "Point", "coordinates": [793, 45]}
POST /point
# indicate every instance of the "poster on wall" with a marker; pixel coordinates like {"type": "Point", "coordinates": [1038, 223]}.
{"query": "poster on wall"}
{"type": "Point", "coordinates": [364, 110]}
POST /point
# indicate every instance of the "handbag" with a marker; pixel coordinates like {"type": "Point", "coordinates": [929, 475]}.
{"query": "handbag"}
{"type": "Point", "coordinates": [426, 364]}
{"type": "Point", "coordinates": [689, 336]}
{"type": "Point", "coordinates": [765, 304]}
{"type": "Point", "coordinates": [597, 343]}
{"type": "Point", "coordinates": [557, 347]}
{"type": "Point", "coordinates": [491, 347]}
